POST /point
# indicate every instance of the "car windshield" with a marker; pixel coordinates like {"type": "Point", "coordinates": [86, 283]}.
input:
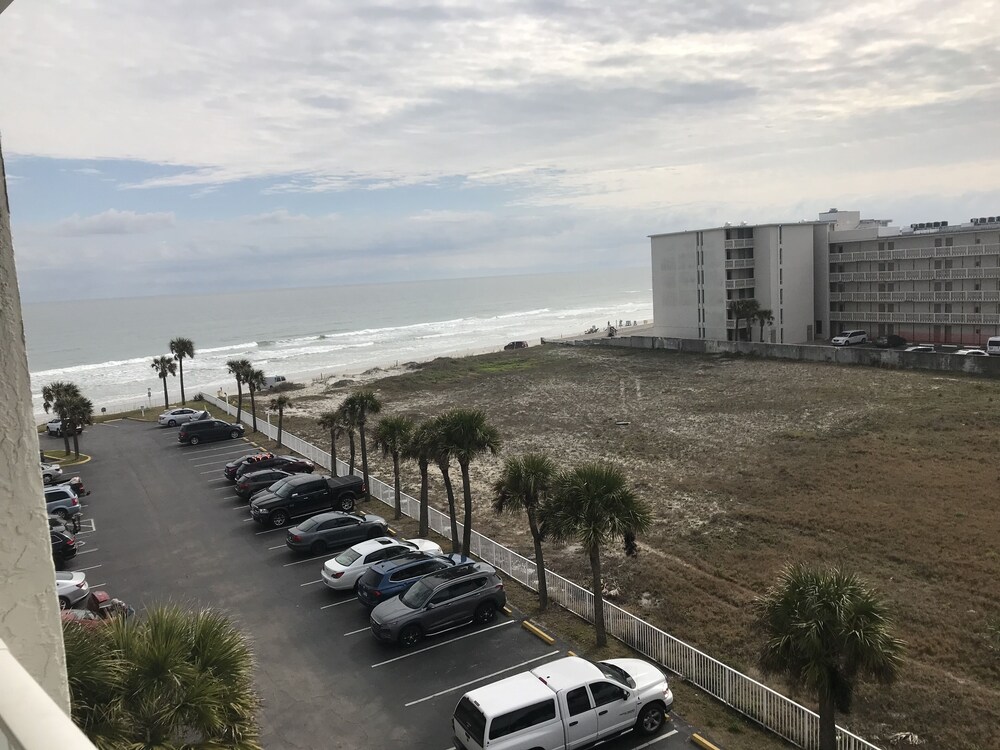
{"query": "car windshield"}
{"type": "Point", "coordinates": [845, 334]}
{"type": "Point", "coordinates": [615, 673]}
{"type": "Point", "coordinates": [347, 557]}
{"type": "Point", "coordinates": [417, 596]}
{"type": "Point", "coordinates": [285, 490]}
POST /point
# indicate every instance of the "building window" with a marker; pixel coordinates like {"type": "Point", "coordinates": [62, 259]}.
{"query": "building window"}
{"type": "Point", "coordinates": [881, 246]}
{"type": "Point", "coordinates": [937, 286]}
{"type": "Point", "coordinates": [948, 263]}
{"type": "Point", "coordinates": [937, 242]}
{"type": "Point", "coordinates": [976, 286]}
{"type": "Point", "coordinates": [781, 316]}
{"type": "Point", "coordinates": [781, 255]}
{"type": "Point", "coordinates": [937, 265]}
{"type": "Point", "coordinates": [975, 309]}
{"type": "Point", "coordinates": [890, 308]}
{"type": "Point", "coordinates": [881, 266]}
{"type": "Point", "coordinates": [782, 335]}
{"type": "Point", "coordinates": [781, 296]}
{"type": "Point", "coordinates": [892, 245]}
{"type": "Point", "coordinates": [781, 276]}
{"type": "Point", "coordinates": [978, 242]}
{"type": "Point", "coordinates": [891, 267]}
{"type": "Point", "coordinates": [890, 287]}
{"type": "Point", "coordinates": [947, 308]}
{"type": "Point", "coordinates": [819, 327]}
{"type": "Point", "coordinates": [947, 286]}
{"type": "Point", "coordinates": [949, 241]}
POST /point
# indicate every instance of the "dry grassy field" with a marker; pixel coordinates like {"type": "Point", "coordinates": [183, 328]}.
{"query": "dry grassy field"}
{"type": "Point", "coordinates": [750, 465]}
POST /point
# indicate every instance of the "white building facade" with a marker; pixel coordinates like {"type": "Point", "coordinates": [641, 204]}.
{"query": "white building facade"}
{"type": "Point", "coordinates": [932, 282]}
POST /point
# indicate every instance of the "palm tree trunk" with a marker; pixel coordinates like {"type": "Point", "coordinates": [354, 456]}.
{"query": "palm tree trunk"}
{"type": "Point", "coordinates": [281, 415]}
{"type": "Point", "coordinates": [253, 408]}
{"type": "Point", "coordinates": [166, 399]}
{"type": "Point", "coordinates": [364, 454]}
{"type": "Point", "coordinates": [424, 482]}
{"type": "Point", "coordinates": [399, 500]}
{"type": "Point", "coordinates": [65, 432]}
{"type": "Point", "coordinates": [827, 722]}
{"type": "Point", "coordinates": [595, 568]}
{"type": "Point", "coordinates": [536, 537]}
{"type": "Point", "coordinates": [350, 439]}
{"type": "Point", "coordinates": [333, 452]}
{"type": "Point", "coordinates": [450, 491]}
{"type": "Point", "coordinates": [467, 498]}
{"type": "Point", "coordinates": [180, 364]}
{"type": "Point", "coordinates": [76, 442]}
{"type": "Point", "coordinates": [239, 401]}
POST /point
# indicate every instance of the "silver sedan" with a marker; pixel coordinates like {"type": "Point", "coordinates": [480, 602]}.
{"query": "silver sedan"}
{"type": "Point", "coordinates": [175, 417]}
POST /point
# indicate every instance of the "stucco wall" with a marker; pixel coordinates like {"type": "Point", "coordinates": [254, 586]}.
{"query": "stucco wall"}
{"type": "Point", "coordinates": [29, 612]}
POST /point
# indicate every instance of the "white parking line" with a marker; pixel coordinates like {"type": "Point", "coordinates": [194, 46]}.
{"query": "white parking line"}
{"type": "Point", "coordinates": [662, 737]}
{"type": "Point", "coordinates": [250, 519]}
{"type": "Point", "coordinates": [337, 604]}
{"type": "Point", "coordinates": [92, 567]}
{"type": "Point", "coordinates": [277, 546]}
{"type": "Point", "coordinates": [478, 679]}
{"type": "Point", "coordinates": [87, 551]}
{"type": "Point", "coordinates": [325, 556]}
{"type": "Point", "coordinates": [359, 630]}
{"type": "Point", "coordinates": [237, 507]}
{"type": "Point", "coordinates": [98, 585]}
{"type": "Point", "coordinates": [443, 643]}
{"type": "Point", "coordinates": [220, 479]}
{"type": "Point", "coordinates": [210, 471]}
{"type": "Point", "coordinates": [310, 583]}
{"type": "Point", "coordinates": [232, 497]}
{"type": "Point", "coordinates": [268, 531]}
{"type": "Point", "coordinates": [222, 461]}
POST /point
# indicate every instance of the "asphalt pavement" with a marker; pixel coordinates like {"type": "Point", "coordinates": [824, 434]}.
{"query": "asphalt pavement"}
{"type": "Point", "coordinates": [162, 525]}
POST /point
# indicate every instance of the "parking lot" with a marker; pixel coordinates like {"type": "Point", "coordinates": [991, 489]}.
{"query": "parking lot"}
{"type": "Point", "coordinates": [163, 525]}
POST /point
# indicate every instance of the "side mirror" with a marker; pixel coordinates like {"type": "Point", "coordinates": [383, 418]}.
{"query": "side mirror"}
{"type": "Point", "coordinates": [430, 605]}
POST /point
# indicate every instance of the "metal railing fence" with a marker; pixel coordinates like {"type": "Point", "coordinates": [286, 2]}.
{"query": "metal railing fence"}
{"type": "Point", "coordinates": [770, 709]}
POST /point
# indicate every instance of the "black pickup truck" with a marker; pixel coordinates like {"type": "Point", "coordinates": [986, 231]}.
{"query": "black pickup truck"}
{"type": "Point", "coordinates": [306, 495]}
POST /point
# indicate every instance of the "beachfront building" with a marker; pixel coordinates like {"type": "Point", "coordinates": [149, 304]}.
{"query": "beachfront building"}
{"type": "Point", "coordinates": [929, 282]}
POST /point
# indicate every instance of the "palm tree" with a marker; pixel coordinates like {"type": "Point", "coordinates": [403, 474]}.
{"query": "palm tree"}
{"type": "Point", "coordinates": [181, 348]}
{"type": "Point", "coordinates": [279, 403]}
{"type": "Point", "coordinates": [824, 630]}
{"type": "Point", "coordinates": [469, 435]}
{"type": "Point", "coordinates": [239, 368]}
{"type": "Point", "coordinates": [55, 396]}
{"type": "Point", "coordinates": [522, 487]}
{"type": "Point", "coordinates": [392, 435]}
{"type": "Point", "coordinates": [440, 449]}
{"type": "Point", "coordinates": [79, 411]}
{"type": "Point", "coordinates": [363, 404]}
{"type": "Point", "coordinates": [165, 366]}
{"type": "Point", "coordinates": [420, 448]}
{"type": "Point", "coordinates": [172, 679]}
{"type": "Point", "coordinates": [330, 420]}
{"type": "Point", "coordinates": [254, 380]}
{"type": "Point", "coordinates": [744, 309]}
{"type": "Point", "coordinates": [765, 317]}
{"type": "Point", "coordinates": [349, 420]}
{"type": "Point", "coordinates": [595, 505]}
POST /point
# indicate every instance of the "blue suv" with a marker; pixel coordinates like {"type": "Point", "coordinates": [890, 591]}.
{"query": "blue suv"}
{"type": "Point", "coordinates": [393, 577]}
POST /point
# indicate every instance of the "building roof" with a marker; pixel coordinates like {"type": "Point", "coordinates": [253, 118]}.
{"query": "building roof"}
{"type": "Point", "coordinates": [739, 226]}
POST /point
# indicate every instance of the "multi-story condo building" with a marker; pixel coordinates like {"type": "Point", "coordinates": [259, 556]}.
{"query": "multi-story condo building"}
{"type": "Point", "coordinates": [930, 282]}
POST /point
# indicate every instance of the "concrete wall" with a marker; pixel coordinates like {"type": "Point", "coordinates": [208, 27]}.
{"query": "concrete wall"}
{"type": "Point", "coordinates": [676, 285]}
{"type": "Point", "coordinates": [796, 276]}
{"type": "Point", "coordinates": [29, 610]}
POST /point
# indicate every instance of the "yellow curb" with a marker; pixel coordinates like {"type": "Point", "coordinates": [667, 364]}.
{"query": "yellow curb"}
{"type": "Point", "coordinates": [508, 611]}
{"type": "Point", "coordinates": [531, 628]}
{"type": "Point", "coordinates": [702, 742]}
{"type": "Point", "coordinates": [390, 531]}
{"type": "Point", "coordinates": [571, 653]}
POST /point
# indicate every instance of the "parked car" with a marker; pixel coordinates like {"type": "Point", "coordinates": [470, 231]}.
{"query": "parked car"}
{"type": "Point", "coordinates": [516, 345]}
{"type": "Point", "coordinates": [385, 580]}
{"type": "Point", "coordinates": [55, 428]}
{"type": "Point", "coordinates": [306, 495]}
{"type": "Point", "coordinates": [50, 473]}
{"type": "Point", "coordinates": [206, 430]}
{"type": "Point", "coordinates": [71, 588]}
{"type": "Point", "coordinates": [175, 417]}
{"type": "Point", "coordinates": [846, 338]}
{"type": "Point", "coordinates": [334, 530]}
{"type": "Point", "coordinates": [890, 341]}
{"type": "Point", "coordinates": [291, 464]}
{"type": "Point", "coordinates": [569, 702]}
{"type": "Point", "coordinates": [254, 481]}
{"type": "Point", "coordinates": [230, 469]}
{"type": "Point", "coordinates": [993, 346]}
{"type": "Point", "coordinates": [63, 546]}
{"type": "Point", "coordinates": [62, 501]}
{"type": "Point", "coordinates": [273, 381]}
{"type": "Point", "coordinates": [470, 592]}
{"type": "Point", "coordinates": [972, 353]}
{"type": "Point", "coordinates": [96, 608]}
{"type": "Point", "coordinates": [342, 572]}
{"type": "Point", "coordinates": [919, 348]}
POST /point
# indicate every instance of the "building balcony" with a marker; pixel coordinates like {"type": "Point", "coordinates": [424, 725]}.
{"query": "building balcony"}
{"type": "Point", "coordinates": [916, 252]}
{"type": "Point", "coordinates": [739, 263]}
{"type": "Point", "coordinates": [966, 296]}
{"type": "Point", "coordinates": [739, 283]}
{"type": "Point", "coordinates": [739, 244]}
{"type": "Point", "coordinates": [924, 274]}
{"type": "Point", "coordinates": [916, 317]}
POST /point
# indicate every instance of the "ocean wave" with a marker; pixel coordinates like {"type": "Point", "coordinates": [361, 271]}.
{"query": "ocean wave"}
{"type": "Point", "coordinates": [522, 314]}
{"type": "Point", "coordinates": [232, 347]}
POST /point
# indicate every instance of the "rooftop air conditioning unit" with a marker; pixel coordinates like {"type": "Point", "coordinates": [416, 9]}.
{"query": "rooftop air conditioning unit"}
{"type": "Point", "coordinates": [982, 220]}
{"type": "Point", "coordinates": [937, 224]}
{"type": "Point", "coordinates": [993, 219]}
{"type": "Point", "coordinates": [944, 223]}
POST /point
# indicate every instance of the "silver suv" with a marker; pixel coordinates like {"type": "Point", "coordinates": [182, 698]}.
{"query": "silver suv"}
{"type": "Point", "coordinates": [469, 592]}
{"type": "Point", "coordinates": [62, 501]}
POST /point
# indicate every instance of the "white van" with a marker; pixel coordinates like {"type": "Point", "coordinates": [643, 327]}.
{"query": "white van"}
{"type": "Point", "coordinates": [993, 346]}
{"type": "Point", "coordinates": [273, 381]}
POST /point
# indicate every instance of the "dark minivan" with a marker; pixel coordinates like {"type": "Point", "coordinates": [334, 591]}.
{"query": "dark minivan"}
{"type": "Point", "coordinates": [208, 430]}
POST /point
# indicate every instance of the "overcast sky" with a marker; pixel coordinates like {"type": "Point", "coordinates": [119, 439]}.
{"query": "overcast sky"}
{"type": "Point", "coordinates": [155, 147]}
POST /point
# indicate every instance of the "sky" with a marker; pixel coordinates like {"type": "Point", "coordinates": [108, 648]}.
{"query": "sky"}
{"type": "Point", "coordinates": [191, 146]}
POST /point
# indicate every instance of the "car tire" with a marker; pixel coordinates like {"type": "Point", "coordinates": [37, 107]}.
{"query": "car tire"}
{"type": "Point", "coordinates": [172, 423]}
{"type": "Point", "coordinates": [279, 518]}
{"type": "Point", "coordinates": [486, 612]}
{"type": "Point", "coordinates": [234, 434]}
{"type": "Point", "coordinates": [410, 636]}
{"type": "Point", "coordinates": [347, 502]}
{"type": "Point", "coordinates": [46, 479]}
{"type": "Point", "coordinates": [62, 513]}
{"type": "Point", "coordinates": [63, 602]}
{"type": "Point", "coordinates": [194, 440]}
{"type": "Point", "coordinates": [651, 719]}
{"type": "Point", "coordinates": [318, 548]}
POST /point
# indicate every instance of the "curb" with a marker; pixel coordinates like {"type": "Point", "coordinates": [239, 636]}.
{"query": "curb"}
{"type": "Point", "coordinates": [703, 743]}
{"type": "Point", "coordinates": [535, 630]}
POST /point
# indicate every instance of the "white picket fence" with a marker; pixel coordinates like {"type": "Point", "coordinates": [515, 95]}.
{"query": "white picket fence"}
{"type": "Point", "coordinates": [781, 715]}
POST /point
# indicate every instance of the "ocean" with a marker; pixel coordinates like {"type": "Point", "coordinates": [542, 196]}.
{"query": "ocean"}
{"type": "Point", "coordinates": [107, 346]}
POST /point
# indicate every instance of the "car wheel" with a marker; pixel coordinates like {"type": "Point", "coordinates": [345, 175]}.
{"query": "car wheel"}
{"type": "Point", "coordinates": [318, 548]}
{"type": "Point", "coordinates": [651, 719]}
{"type": "Point", "coordinates": [279, 518]}
{"type": "Point", "coordinates": [195, 440]}
{"type": "Point", "coordinates": [347, 502]}
{"type": "Point", "coordinates": [234, 434]}
{"type": "Point", "coordinates": [410, 636]}
{"type": "Point", "coordinates": [172, 423]}
{"type": "Point", "coordinates": [62, 513]}
{"type": "Point", "coordinates": [63, 602]}
{"type": "Point", "coordinates": [46, 479]}
{"type": "Point", "coordinates": [486, 612]}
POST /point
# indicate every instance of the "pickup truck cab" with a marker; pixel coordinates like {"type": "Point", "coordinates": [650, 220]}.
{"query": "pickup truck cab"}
{"type": "Point", "coordinates": [563, 705]}
{"type": "Point", "coordinates": [305, 495]}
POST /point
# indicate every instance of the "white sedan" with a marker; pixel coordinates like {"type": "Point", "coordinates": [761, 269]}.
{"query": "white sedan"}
{"type": "Point", "coordinates": [342, 572]}
{"type": "Point", "coordinates": [71, 587]}
{"type": "Point", "coordinates": [50, 473]}
{"type": "Point", "coordinates": [175, 417]}
{"type": "Point", "coordinates": [972, 353]}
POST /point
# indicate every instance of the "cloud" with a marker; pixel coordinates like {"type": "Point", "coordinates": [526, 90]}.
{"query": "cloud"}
{"type": "Point", "coordinates": [280, 216]}
{"type": "Point", "coordinates": [114, 222]}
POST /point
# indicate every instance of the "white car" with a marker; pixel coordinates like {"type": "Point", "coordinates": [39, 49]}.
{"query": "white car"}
{"type": "Point", "coordinates": [846, 338]}
{"type": "Point", "coordinates": [55, 428]}
{"type": "Point", "coordinates": [50, 473]}
{"type": "Point", "coordinates": [342, 572]}
{"type": "Point", "coordinates": [175, 417]}
{"type": "Point", "coordinates": [972, 352]}
{"type": "Point", "coordinates": [71, 587]}
{"type": "Point", "coordinates": [919, 348]}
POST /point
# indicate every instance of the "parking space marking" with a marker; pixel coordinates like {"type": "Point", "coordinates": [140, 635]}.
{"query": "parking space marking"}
{"type": "Point", "coordinates": [219, 479]}
{"type": "Point", "coordinates": [277, 546]}
{"type": "Point", "coordinates": [98, 585]}
{"type": "Point", "coordinates": [87, 551]}
{"type": "Point", "coordinates": [443, 643]}
{"type": "Point", "coordinates": [268, 531]}
{"type": "Point", "coordinates": [92, 567]}
{"type": "Point", "coordinates": [250, 519]}
{"type": "Point", "coordinates": [662, 737]}
{"type": "Point", "coordinates": [222, 461]}
{"type": "Point", "coordinates": [210, 471]}
{"type": "Point", "coordinates": [310, 583]}
{"type": "Point", "coordinates": [337, 604]}
{"type": "Point", "coordinates": [222, 448]}
{"type": "Point", "coordinates": [237, 507]}
{"type": "Point", "coordinates": [93, 525]}
{"type": "Point", "coordinates": [359, 630]}
{"type": "Point", "coordinates": [325, 555]}
{"type": "Point", "coordinates": [478, 679]}
{"type": "Point", "coordinates": [232, 497]}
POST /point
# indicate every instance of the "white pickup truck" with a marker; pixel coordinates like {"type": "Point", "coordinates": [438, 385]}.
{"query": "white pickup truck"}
{"type": "Point", "coordinates": [565, 704]}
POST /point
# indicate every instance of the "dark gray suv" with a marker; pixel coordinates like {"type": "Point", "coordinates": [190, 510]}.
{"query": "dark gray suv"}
{"type": "Point", "coordinates": [206, 430]}
{"type": "Point", "coordinates": [469, 592]}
